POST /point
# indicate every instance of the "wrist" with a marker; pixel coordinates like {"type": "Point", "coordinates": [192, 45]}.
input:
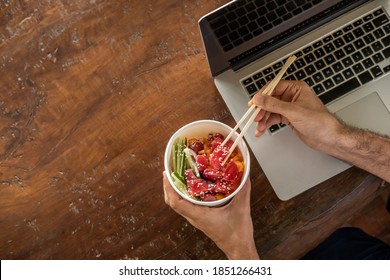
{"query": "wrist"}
{"type": "Point", "coordinates": [335, 140]}
{"type": "Point", "coordinates": [243, 252]}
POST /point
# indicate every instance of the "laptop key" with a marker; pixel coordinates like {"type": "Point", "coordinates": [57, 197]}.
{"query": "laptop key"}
{"type": "Point", "coordinates": [368, 17]}
{"type": "Point", "coordinates": [329, 48]}
{"type": "Point", "coordinates": [247, 81]}
{"type": "Point", "coordinates": [309, 81]}
{"type": "Point", "coordinates": [347, 61]}
{"type": "Point", "coordinates": [386, 41]}
{"type": "Point", "coordinates": [337, 67]}
{"type": "Point", "coordinates": [358, 22]}
{"type": "Point", "coordinates": [238, 42]}
{"type": "Point", "coordinates": [297, 11]}
{"type": "Point", "coordinates": [257, 76]}
{"type": "Point", "coordinates": [378, 57]}
{"type": "Point", "coordinates": [319, 64]}
{"type": "Point", "coordinates": [348, 73]}
{"type": "Point", "coordinates": [367, 51]}
{"type": "Point", "coordinates": [348, 37]}
{"type": "Point", "coordinates": [218, 22]}
{"type": "Point", "coordinates": [358, 32]}
{"type": "Point", "coordinates": [328, 38]}
{"type": "Point", "coordinates": [318, 89]}
{"type": "Point", "coordinates": [291, 69]}
{"type": "Point", "coordinates": [365, 77]}
{"type": "Point", "coordinates": [337, 33]}
{"type": "Point", "coordinates": [260, 83]}
{"type": "Point", "coordinates": [329, 59]}
{"type": "Point", "coordinates": [339, 90]}
{"type": "Point", "coordinates": [349, 49]}
{"type": "Point", "coordinates": [328, 84]}
{"type": "Point", "coordinates": [369, 38]}
{"type": "Point", "coordinates": [327, 72]}
{"type": "Point", "coordinates": [298, 54]}
{"type": "Point", "coordinates": [368, 27]}
{"type": "Point", "coordinates": [251, 89]}
{"type": "Point", "coordinates": [348, 28]}
{"type": "Point", "coordinates": [357, 56]}
{"type": "Point", "coordinates": [379, 33]}
{"type": "Point", "coordinates": [319, 53]}
{"type": "Point", "coordinates": [376, 71]}
{"type": "Point", "coordinates": [339, 42]}
{"type": "Point", "coordinates": [318, 77]}
{"type": "Point", "coordinates": [378, 12]}
{"type": "Point", "coordinates": [377, 46]}
{"type": "Point", "coordinates": [309, 58]}
{"type": "Point", "coordinates": [358, 68]}
{"type": "Point", "coordinates": [386, 52]}
{"type": "Point", "coordinates": [381, 20]}
{"type": "Point", "coordinates": [387, 28]}
{"type": "Point", "coordinates": [359, 44]}
{"type": "Point", "coordinates": [274, 128]}
{"type": "Point", "coordinates": [310, 69]}
{"type": "Point", "coordinates": [368, 63]}
{"type": "Point", "coordinates": [300, 75]}
{"type": "Point", "coordinates": [270, 77]}
{"type": "Point", "coordinates": [278, 65]}
{"type": "Point", "coordinates": [300, 63]}
{"type": "Point", "coordinates": [317, 44]}
{"type": "Point", "coordinates": [338, 79]}
{"type": "Point", "coordinates": [267, 71]}
{"type": "Point", "coordinates": [339, 54]}
{"type": "Point", "coordinates": [307, 6]}
{"type": "Point", "coordinates": [308, 49]}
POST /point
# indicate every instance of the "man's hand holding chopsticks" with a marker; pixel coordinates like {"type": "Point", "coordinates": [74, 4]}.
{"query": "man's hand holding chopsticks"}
{"type": "Point", "coordinates": [295, 104]}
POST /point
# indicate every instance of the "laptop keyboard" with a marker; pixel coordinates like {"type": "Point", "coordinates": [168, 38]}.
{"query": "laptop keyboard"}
{"type": "Point", "coordinates": [337, 63]}
{"type": "Point", "coordinates": [241, 21]}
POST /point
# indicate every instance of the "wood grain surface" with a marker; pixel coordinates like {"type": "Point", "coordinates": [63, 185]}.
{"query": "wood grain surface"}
{"type": "Point", "coordinates": [90, 92]}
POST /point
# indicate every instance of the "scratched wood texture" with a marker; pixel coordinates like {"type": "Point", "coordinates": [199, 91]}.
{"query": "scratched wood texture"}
{"type": "Point", "coordinates": [90, 92]}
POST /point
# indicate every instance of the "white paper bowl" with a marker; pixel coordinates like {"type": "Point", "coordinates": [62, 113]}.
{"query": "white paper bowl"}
{"type": "Point", "coordinates": [199, 129]}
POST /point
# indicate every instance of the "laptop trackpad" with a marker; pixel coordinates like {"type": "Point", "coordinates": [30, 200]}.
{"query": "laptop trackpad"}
{"type": "Point", "coordinates": [367, 113]}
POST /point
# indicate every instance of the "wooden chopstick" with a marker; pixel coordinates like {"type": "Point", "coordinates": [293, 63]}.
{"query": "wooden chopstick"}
{"type": "Point", "coordinates": [267, 91]}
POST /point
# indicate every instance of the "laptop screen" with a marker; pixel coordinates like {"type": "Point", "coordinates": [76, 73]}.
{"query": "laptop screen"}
{"type": "Point", "coordinates": [242, 31]}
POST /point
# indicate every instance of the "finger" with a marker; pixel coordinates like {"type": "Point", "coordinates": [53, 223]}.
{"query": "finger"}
{"type": "Point", "coordinates": [273, 119]}
{"type": "Point", "coordinates": [284, 90]}
{"type": "Point", "coordinates": [275, 105]}
{"type": "Point", "coordinates": [267, 123]}
{"type": "Point", "coordinates": [261, 127]}
{"type": "Point", "coordinates": [169, 193]}
{"type": "Point", "coordinates": [262, 115]}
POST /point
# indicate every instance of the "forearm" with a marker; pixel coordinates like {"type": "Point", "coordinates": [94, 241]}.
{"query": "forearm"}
{"type": "Point", "coordinates": [363, 149]}
{"type": "Point", "coordinates": [238, 244]}
{"type": "Point", "coordinates": [244, 252]}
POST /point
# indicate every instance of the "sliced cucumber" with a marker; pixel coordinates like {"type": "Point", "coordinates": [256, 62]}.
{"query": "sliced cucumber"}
{"type": "Point", "coordinates": [179, 183]}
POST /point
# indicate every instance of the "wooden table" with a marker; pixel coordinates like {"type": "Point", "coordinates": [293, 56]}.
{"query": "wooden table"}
{"type": "Point", "coordinates": [90, 92]}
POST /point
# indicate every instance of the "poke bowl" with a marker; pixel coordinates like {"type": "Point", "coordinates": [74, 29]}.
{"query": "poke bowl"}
{"type": "Point", "coordinates": [196, 165]}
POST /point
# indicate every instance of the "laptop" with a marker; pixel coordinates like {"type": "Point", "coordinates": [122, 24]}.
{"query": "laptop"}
{"type": "Point", "coordinates": [343, 53]}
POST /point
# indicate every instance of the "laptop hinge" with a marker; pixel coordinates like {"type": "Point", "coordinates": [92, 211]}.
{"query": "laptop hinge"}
{"type": "Point", "coordinates": [293, 33]}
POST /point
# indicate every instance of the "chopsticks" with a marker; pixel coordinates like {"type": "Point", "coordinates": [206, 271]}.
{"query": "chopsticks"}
{"type": "Point", "coordinates": [267, 91]}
